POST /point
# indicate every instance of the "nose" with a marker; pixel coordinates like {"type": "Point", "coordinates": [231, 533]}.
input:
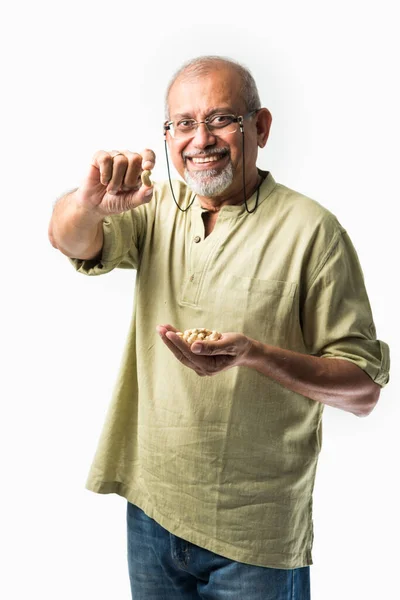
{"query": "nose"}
{"type": "Point", "coordinates": [203, 137]}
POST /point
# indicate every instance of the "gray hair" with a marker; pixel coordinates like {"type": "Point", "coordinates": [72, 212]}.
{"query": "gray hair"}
{"type": "Point", "coordinates": [204, 64]}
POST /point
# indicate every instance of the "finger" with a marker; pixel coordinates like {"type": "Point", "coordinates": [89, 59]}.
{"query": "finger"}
{"type": "Point", "coordinates": [176, 344]}
{"type": "Point", "coordinates": [176, 351]}
{"type": "Point", "coordinates": [149, 159]}
{"type": "Point", "coordinates": [92, 176]}
{"type": "Point", "coordinates": [119, 167]}
{"type": "Point", "coordinates": [203, 365]}
{"type": "Point", "coordinates": [134, 198]}
{"type": "Point", "coordinates": [199, 362]}
{"type": "Point", "coordinates": [167, 328]}
{"type": "Point", "coordinates": [132, 174]}
{"type": "Point", "coordinates": [178, 341]}
{"type": "Point", "coordinates": [104, 163]}
{"type": "Point", "coordinates": [167, 332]}
{"type": "Point", "coordinates": [214, 348]}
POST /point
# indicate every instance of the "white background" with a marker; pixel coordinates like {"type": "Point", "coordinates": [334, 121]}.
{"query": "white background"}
{"type": "Point", "coordinates": [78, 77]}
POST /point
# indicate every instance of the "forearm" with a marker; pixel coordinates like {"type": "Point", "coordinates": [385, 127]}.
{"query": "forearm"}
{"type": "Point", "coordinates": [335, 382]}
{"type": "Point", "coordinates": [75, 230]}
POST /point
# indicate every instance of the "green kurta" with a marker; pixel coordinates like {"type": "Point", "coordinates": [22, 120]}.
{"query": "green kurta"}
{"type": "Point", "coordinates": [228, 462]}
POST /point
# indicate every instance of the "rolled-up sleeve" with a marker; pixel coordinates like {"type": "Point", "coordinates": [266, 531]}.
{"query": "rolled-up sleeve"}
{"type": "Point", "coordinates": [121, 246]}
{"type": "Point", "coordinates": [336, 316]}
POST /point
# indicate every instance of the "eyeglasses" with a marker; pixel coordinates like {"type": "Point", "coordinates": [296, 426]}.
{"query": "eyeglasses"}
{"type": "Point", "coordinates": [216, 124]}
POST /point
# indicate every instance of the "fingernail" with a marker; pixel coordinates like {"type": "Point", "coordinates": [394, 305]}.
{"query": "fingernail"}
{"type": "Point", "coordinates": [148, 192]}
{"type": "Point", "coordinates": [197, 348]}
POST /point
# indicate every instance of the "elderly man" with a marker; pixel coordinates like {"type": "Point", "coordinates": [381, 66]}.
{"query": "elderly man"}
{"type": "Point", "coordinates": [214, 443]}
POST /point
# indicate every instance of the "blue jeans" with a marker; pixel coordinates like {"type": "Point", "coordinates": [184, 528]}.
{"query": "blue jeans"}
{"type": "Point", "coordinates": [163, 566]}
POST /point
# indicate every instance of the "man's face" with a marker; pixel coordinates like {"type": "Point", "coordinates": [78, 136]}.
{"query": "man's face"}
{"type": "Point", "coordinates": [211, 164]}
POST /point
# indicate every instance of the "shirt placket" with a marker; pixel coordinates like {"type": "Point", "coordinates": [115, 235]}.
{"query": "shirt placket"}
{"type": "Point", "coordinates": [201, 252]}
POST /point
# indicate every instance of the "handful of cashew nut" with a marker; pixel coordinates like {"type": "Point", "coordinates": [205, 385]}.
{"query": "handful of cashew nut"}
{"type": "Point", "coordinates": [199, 334]}
{"type": "Point", "coordinates": [145, 176]}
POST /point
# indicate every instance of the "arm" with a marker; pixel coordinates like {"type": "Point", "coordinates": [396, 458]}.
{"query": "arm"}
{"type": "Point", "coordinates": [335, 382]}
{"type": "Point", "coordinates": [343, 364]}
{"type": "Point", "coordinates": [75, 230]}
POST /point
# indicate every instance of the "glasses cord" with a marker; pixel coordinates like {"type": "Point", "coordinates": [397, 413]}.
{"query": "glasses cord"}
{"type": "Point", "coordinates": [244, 182]}
{"type": "Point", "coordinates": [170, 182]}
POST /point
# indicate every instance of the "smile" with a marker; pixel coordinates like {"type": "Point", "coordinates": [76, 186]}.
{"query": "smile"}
{"type": "Point", "coordinates": [206, 159]}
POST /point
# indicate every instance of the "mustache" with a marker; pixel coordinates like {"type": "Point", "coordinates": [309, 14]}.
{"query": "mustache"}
{"type": "Point", "coordinates": [203, 154]}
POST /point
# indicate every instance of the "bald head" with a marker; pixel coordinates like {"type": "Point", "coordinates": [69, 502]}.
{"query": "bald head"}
{"type": "Point", "coordinates": [204, 65]}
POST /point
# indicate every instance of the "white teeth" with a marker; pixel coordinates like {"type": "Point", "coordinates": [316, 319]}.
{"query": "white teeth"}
{"type": "Point", "coordinates": [206, 159]}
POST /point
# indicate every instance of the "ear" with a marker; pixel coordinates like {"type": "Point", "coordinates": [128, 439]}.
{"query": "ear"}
{"type": "Point", "coordinates": [263, 124]}
{"type": "Point", "coordinates": [165, 130]}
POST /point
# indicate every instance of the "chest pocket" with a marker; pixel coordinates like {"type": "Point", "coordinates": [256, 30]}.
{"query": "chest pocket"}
{"type": "Point", "coordinates": [263, 309]}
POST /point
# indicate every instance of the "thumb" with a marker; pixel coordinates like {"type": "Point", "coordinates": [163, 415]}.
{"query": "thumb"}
{"type": "Point", "coordinates": [212, 348]}
{"type": "Point", "coordinates": [93, 176]}
{"type": "Point", "coordinates": [91, 182]}
{"type": "Point", "coordinates": [138, 197]}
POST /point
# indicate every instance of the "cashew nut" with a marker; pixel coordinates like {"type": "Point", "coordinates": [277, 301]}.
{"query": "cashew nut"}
{"type": "Point", "coordinates": [146, 178]}
{"type": "Point", "coordinates": [199, 334]}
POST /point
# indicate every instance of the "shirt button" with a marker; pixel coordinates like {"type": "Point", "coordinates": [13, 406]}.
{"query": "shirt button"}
{"type": "Point", "coordinates": [191, 278]}
{"type": "Point", "coordinates": [197, 239]}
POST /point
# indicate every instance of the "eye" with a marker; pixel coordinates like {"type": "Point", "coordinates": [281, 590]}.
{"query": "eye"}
{"type": "Point", "coordinates": [221, 120]}
{"type": "Point", "coordinates": [185, 124]}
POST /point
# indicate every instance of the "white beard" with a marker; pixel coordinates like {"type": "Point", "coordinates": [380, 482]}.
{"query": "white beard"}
{"type": "Point", "coordinates": [210, 182]}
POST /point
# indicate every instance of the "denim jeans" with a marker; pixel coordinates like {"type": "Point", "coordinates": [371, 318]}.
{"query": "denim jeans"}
{"type": "Point", "coordinates": [163, 566]}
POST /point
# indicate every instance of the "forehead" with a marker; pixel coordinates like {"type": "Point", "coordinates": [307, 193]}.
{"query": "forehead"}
{"type": "Point", "coordinates": [197, 95]}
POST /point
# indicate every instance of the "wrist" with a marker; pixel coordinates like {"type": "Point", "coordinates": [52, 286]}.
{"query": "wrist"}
{"type": "Point", "coordinates": [250, 352]}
